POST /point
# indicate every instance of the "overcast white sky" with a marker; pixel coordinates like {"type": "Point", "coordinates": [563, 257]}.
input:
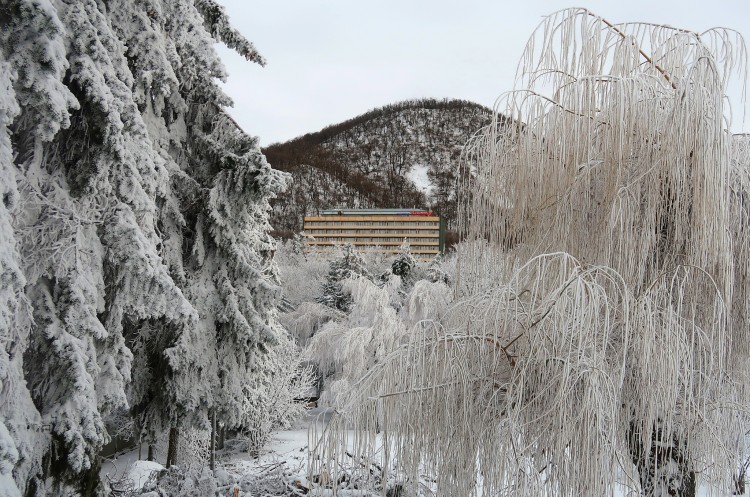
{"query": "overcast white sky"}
{"type": "Point", "coordinates": [331, 60]}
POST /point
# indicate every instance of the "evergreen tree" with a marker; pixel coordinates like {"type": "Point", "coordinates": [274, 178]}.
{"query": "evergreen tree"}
{"type": "Point", "coordinates": [138, 241]}
{"type": "Point", "coordinates": [17, 414]}
{"type": "Point", "coordinates": [404, 262]}
{"type": "Point", "coordinates": [215, 232]}
{"type": "Point", "coordinates": [93, 267]}
{"type": "Point", "coordinates": [349, 265]}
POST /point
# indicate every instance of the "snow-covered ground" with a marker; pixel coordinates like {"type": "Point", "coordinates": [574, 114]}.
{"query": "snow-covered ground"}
{"type": "Point", "coordinates": [127, 468]}
{"type": "Point", "coordinates": [282, 465]}
{"type": "Point", "coordinates": [283, 459]}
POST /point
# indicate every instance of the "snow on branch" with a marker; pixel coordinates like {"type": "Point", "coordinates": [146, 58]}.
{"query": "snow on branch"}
{"type": "Point", "coordinates": [217, 23]}
{"type": "Point", "coordinates": [599, 320]}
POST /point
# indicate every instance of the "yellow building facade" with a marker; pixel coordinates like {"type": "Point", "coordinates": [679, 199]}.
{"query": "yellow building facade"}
{"type": "Point", "coordinates": [383, 229]}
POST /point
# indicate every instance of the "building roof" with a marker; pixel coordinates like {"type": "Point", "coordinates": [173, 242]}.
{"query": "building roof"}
{"type": "Point", "coordinates": [371, 212]}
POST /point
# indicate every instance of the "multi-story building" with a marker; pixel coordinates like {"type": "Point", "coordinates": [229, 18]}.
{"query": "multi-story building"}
{"type": "Point", "coordinates": [384, 229]}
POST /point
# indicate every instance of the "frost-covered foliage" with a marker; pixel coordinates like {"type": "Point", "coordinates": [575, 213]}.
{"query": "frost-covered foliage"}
{"type": "Point", "coordinates": [427, 301]}
{"type": "Point", "coordinates": [33, 40]}
{"type": "Point", "coordinates": [302, 273]}
{"type": "Point", "coordinates": [600, 321]}
{"type": "Point", "coordinates": [404, 263]}
{"type": "Point", "coordinates": [276, 398]}
{"type": "Point", "coordinates": [435, 271]}
{"type": "Point", "coordinates": [135, 262]}
{"type": "Point", "coordinates": [15, 436]}
{"type": "Point", "coordinates": [265, 479]}
{"type": "Point", "coordinates": [8, 459]}
{"type": "Point", "coordinates": [350, 346]}
{"type": "Point", "coordinates": [349, 265]}
{"type": "Point", "coordinates": [329, 334]}
{"type": "Point", "coordinates": [377, 262]}
{"type": "Point", "coordinates": [177, 481]}
{"type": "Point", "coordinates": [217, 23]}
{"type": "Point", "coordinates": [307, 319]}
{"type": "Point", "coordinates": [406, 267]}
{"type": "Point", "coordinates": [346, 346]}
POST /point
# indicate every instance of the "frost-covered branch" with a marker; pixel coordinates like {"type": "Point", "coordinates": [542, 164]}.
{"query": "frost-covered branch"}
{"type": "Point", "coordinates": [599, 325]}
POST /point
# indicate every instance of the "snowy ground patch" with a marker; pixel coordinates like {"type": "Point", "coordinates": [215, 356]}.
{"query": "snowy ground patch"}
{"type": "Point", "coordinates": [281, 468]}
{"type": "Point", "coordinates": [140, 471]}
{"type": "Point", "coordinates": [418, 175]}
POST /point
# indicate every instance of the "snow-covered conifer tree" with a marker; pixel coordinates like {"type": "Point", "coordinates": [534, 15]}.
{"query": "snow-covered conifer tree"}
{"type": "Point", "coordinates": [15, 434]}
{"type": "Point", "coordinates": [88, 229]}
{"type": "Point", "coordinates": [215, 229]}
{"type": "Point", "coordinates": [240, 254]}
{"type": "Point", "coordinates": [404, 262]}
{"type": "Point", "coordinates": [349, 265]}
{"type": "Point", "coordinates": [134, 195]}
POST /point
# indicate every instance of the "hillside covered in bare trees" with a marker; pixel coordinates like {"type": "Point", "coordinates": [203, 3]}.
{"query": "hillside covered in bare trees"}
{"type": "Point", "coordinates": [401, 155]}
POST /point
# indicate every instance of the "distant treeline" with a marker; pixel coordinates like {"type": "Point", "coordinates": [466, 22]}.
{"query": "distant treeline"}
{"type": "Point", "coordinates": [335, 129]}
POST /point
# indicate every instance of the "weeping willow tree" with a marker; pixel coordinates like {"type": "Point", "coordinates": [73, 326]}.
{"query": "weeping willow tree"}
{"type": "Point", "coordinates": [599, 329]}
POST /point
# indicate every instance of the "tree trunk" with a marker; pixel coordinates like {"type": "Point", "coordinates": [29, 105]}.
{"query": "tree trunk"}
{"type": "Point", "coordinates": [739, 485]}
{"type": "Point", "coordinates": [222, 437]}
{"type": "Point", "coordinates": [150, 456]}
{"type": "Point", "coordinates": [663, 467]}
{"type": "Point", "coordinates": [174, 435]}
{"type": "Point", "coordinates": [212, 462]}
{"type": "Point", "coordinates": [90, 483]}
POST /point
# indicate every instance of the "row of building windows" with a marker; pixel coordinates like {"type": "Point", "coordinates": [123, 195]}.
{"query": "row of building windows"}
{"type": "Point", "coordinates": [414, 249]}
{"type": "Point", "coordinates": [376, 244]}
{"type": "Point", "coordinates": [384, 231]}
{"type": "Point", "coordinates": [373, 241]}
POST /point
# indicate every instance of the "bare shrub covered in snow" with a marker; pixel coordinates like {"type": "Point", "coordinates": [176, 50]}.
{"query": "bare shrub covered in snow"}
{"type": "Point", "coordinates": [307, 319]}
{"type": "Point", "coordinates": [275, 399]}
{"type": "Point", "coordinates": [301, 272]}
{"type": "Point", "coordinates": [380, 317]}
{"type": "Point", "coordinates": [351, 345]}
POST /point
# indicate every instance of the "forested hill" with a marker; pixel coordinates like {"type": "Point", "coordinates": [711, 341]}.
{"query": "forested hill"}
{"type": "Point", "coordinates": [401, 155]}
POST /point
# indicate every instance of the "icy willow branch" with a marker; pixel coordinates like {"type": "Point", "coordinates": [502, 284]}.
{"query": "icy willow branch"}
{"type": "Point", "coordinates": [622, 333]}
{"type": "Point", "coordinates": [640, 50]}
